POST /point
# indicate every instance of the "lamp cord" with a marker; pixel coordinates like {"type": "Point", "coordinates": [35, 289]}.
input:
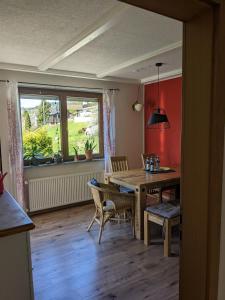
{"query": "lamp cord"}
{"type": "Point", "coordinates": [158, 88]}
{"type": "Point", "coordinates": [138, 92]}
{"type": "Point", "coordinates": [158, 84]}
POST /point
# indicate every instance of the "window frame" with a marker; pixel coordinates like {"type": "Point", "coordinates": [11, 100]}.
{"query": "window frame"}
{"type": "Point", "coordinates": [62, 95]}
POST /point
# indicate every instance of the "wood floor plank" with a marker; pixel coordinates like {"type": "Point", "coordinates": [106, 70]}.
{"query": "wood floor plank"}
{"type": "Point", "coordinates": [68, 263]}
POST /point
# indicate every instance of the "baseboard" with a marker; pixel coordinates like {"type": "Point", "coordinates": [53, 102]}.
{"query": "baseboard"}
{"type": "Point", "coordinates": [47, 210]}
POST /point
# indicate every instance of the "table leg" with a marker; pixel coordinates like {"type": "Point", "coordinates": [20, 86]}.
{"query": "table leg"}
{"type": "Point", "coordinates": [139, 212]}
{"type": "Point", "coordinates": [147, 229]}
{"type": "Point", "coordinates": [167, 240]}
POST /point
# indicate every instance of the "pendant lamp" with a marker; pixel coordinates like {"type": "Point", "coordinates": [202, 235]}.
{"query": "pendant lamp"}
{"type": "Point", "coordinates": [158, 119]}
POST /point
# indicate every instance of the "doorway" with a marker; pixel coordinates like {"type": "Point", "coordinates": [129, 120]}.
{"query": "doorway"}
{"type": "Point", "coordinates": [202, 140]}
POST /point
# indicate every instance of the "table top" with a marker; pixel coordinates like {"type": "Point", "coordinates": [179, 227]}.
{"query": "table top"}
{"type": "Point", "coordinates": [137, 178]}
{"type": "Point", "coordinates": [13, 219]}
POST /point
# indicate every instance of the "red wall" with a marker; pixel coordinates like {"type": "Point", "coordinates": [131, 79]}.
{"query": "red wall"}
{"type": "Point", "coordinates": [167, 142]}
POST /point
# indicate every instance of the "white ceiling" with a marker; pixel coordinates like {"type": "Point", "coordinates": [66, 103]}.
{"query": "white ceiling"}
{"type": "Point", "coordinates": [100, 38]}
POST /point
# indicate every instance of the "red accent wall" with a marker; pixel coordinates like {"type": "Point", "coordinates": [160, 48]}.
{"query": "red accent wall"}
{"type": "Point", "coordinates": [167, 142]}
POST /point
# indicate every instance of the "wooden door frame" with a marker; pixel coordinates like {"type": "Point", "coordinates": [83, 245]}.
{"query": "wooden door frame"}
{"type": "Point", "coordinates": [202, 139]}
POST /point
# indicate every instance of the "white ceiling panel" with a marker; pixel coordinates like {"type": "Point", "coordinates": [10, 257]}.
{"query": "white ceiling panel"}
{"type": "Point", "coordinates": [137, 33]}
{"type": "Point", "coordinates": [31, 30]}
{"type": "Point", "coordinates": [172, 60]}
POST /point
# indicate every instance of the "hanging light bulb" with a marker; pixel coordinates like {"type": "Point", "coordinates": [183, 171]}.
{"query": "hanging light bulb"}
{"type": "Point", "coordinates": [137, 106]}
{"type": "Point", "coordinates": [158, 119]}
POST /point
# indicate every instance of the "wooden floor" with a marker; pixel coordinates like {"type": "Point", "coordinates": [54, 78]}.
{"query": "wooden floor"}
{"type": "Point", "coordinates": [68, 264]}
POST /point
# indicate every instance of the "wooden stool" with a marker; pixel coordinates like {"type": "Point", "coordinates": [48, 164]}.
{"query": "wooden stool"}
{"type": "Point", "coordinates": [160, 215]}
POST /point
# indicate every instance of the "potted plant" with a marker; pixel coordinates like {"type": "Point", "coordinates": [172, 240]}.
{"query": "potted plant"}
{"type": "Point", "coordinates": [89, 146]}
{"type": "Point", "coordinates": [76, 155]}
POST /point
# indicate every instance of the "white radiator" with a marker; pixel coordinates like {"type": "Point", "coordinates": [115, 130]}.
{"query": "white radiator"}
{"type": "Point", "coordinates": [61, 190]}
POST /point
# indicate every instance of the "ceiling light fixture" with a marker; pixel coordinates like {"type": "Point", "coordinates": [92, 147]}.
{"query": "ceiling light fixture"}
{"type": "Point", "coordinates": [158, 119]}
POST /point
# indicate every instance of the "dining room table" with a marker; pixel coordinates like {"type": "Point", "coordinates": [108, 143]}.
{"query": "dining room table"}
{"type": "Point", "coordinates": [141, 181]}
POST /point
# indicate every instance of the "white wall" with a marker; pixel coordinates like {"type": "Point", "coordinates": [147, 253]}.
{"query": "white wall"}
{"type": "Point", "coordinates": [63, 169]}
{"type": "Point", "coordinates": [129, 124]}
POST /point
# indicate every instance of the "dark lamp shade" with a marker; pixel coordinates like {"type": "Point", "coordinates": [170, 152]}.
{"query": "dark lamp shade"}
{"type": "Point", "coordinates": [158, 120]}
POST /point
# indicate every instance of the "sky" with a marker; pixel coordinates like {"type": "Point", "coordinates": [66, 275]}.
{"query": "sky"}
{"type": "Point", "coordinates": [31, 103]}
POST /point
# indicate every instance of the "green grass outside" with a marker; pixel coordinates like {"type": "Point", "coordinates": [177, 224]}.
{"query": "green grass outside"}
{"type": "Point", "coordinates": [75, 136]}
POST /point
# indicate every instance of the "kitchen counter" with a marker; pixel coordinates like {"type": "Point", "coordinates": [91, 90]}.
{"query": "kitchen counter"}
{"type": "Point", "coordinates": [12, 217]}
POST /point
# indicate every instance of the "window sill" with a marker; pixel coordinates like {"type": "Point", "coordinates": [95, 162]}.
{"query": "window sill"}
{"type": "Point", "coordinates": [64, 163]}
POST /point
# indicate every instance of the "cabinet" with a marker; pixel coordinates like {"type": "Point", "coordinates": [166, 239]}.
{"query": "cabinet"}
{"type": "Point", "coordinates": [15, 256]}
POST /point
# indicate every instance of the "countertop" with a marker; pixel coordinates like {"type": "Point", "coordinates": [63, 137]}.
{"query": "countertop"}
{"type": "Point", "coordinates": [13, 219]}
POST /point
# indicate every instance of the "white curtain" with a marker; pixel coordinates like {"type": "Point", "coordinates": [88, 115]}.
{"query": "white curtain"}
{"type": "Point", "coordinates": [11, 140]}
{"type": "Point", "coordinates": [109, 125]}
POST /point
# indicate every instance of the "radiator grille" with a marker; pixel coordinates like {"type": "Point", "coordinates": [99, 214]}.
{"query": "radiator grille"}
{"type": "Point", "coordinates": [56, 191]}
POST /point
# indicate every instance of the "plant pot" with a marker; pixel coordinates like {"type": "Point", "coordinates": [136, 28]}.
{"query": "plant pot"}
{"type": "Point", "coordinates": [89, 154]}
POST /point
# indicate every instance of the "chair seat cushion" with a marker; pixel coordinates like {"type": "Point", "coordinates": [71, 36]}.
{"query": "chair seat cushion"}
{"type": "Point", "coordinates": [124, 189]}
{"type": "Point", "coordinates": [109, 206]}
{"type": "Point", "coordinates": [95, 182]}
{"type": "Point", "coordinates": [165, 210]}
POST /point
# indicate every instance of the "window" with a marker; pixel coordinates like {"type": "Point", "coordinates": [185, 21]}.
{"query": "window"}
{"type": "Point", "coordinates": [55, 121]}
{"type": "Point", "coordinates": [82, 118]}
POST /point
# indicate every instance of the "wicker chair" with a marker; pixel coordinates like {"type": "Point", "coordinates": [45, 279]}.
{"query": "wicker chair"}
{"type": "Point", "coordinates": [118, 163]}
{"type": "Point", "coordinates": [109, 202]}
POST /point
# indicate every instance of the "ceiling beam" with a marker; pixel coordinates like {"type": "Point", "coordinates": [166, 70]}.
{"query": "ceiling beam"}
{"type": "Point", "coordinates": [139, 59]}
{"type": "Point", "coordinates": [107, 21]}
{"type": "Point", "coordinates": [183, 10]}
{"type": "Point", "coordinates": [163, 76]}
{"type": "Point", "coordinates": [62, 73]}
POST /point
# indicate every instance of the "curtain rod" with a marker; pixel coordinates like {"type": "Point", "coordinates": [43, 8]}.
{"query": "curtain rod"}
{"type": "Point", "coordinates": [64, 86]}
{"type": "Point", "coordinates": [61, 86]}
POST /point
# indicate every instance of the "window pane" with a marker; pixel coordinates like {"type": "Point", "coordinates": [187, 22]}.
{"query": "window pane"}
{"type": "Point", "coordinates": [40, 126]}
{"type": "Point", "coordinates": [83, 123]}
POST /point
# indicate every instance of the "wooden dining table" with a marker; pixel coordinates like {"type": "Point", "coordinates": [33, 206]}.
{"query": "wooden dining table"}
{"type": "Point", "coordinates": [141, 182]}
